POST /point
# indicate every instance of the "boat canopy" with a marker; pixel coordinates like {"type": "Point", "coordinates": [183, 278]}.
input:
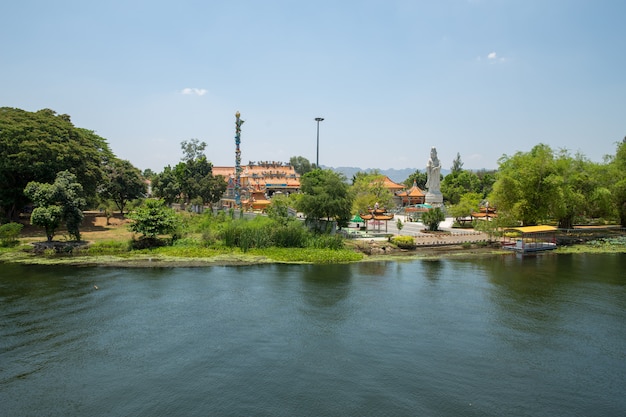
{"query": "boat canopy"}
{"type": "Point", "coordinates": [533, 229]}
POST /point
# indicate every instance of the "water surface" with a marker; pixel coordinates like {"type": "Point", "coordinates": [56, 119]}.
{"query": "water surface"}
{"type": "Point", "coordinates": [531, 336]}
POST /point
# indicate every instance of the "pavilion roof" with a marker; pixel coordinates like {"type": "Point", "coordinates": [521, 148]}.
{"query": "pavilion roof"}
{"type": "Point", "coordinates": [387, 183]}
{"type": "Point", "coordinates": [414, 191]}
{"type": "Point", "coordinates": [533, 229]}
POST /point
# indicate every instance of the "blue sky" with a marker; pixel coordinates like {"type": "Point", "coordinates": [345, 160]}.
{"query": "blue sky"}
{"type": "Point", "coordinates": [391, 77]}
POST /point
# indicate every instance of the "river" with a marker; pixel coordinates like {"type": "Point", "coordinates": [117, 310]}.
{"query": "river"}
{"type": "Point", "coordinates": [499, 336]}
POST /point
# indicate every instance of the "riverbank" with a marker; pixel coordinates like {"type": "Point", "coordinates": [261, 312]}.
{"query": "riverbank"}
{"type": "Point", "coordinates": [155, 260]}
{"type": "Point", "coordinates": [466, 244]}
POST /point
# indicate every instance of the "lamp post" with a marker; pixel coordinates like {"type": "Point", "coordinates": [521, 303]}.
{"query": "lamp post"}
{"type": "Point", "coordinates": [317, 159]}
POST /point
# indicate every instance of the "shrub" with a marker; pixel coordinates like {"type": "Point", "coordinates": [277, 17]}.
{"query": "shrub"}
{"type": "Point", "coordinates": [154, 219]}
{"type": "Point", "coordinates": [403, 242]}
{"type": "Point", "coordinates": [432, 218]}
{"type": "Point", "coordinates": [9, 233]}
{"type": "Point", "coordinates": [291, 235]}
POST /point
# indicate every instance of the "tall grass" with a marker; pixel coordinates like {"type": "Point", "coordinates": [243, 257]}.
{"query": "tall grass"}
{"type": "Point", "coordinates": [263, 232]}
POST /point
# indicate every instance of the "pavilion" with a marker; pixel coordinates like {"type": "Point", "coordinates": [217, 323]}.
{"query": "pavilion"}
{"type": "Point", "coordinates": [412, 196]}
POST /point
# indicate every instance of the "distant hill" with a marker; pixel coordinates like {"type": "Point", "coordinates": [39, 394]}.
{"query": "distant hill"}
{"type": "Point", "coordinates": [395, 175]}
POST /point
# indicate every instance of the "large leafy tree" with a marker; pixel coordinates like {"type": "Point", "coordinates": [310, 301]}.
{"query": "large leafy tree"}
{"type": "Point", "coordinates": [196, 180]}
{"type": "Point", "coordinates": [123, 183]}
{"type": "Point", "coordinates": [459, 182]}
{"type": "Point", "coordinates": [574, 186]}
{"type": "Point", "coordinates": [468, 204]}
{"type": "Point", "coordinates": [325, 195]}
{"type": "Point", "coordinates": [34, 146]}
{"type": "Point", "coordinates": [369, 189]}
{"type": "Point", "coordinates": [192, 149]}
{"type": "Point", "coordinates": [190, 179]}
{"type": "Point", "coordinates": [57, 202]}
{"type": "Point", "coordinates": [195, 174]}
{"type": "Point", "coordinates": [617, 172]}
{"type": "Point", "coordinates": [300, 164]}
{"type": "Point", "coordinates": [166, 186]}
{"type": "Point", "coordinates": [526, 187]}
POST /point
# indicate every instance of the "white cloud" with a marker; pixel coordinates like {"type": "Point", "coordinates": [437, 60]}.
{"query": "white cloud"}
{"type": "Point", "coordinates": [194, 91]}
{"type": "Point", "coordinates": [492, 55]}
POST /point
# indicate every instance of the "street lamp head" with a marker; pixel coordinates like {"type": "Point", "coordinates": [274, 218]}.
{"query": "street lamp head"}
{"type": "Point", "coordinates": [319, 119]}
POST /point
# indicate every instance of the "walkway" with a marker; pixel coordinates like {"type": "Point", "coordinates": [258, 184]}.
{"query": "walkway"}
{"type": "Point", "coordinates": [416, 229]}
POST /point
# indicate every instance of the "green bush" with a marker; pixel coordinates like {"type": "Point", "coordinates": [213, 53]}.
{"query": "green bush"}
{"type": "Point", "coordinates": [9, 233]}
{"type": "Point", "coordinates": [291, 235]}
{"type": "Point", "coordinates": [432, 218]}
{"type": "Point", "coordinates": [403, 242]}
{"type": "Point", "coordinates": [333, 242]}
{"type": "Point", "coordinates": [109, 247]}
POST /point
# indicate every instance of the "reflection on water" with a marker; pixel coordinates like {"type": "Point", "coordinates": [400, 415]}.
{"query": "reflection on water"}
{"type": "Point", "coordinates": [529, 336]}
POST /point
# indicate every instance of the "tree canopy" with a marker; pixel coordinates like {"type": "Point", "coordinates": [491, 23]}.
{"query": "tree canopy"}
{"type": "Point", "coordinates": [543, 185]}
{"type": "Point", "coordinates": [191, 179]}
{"type": "Point", "coordinates": [123, 183]}
{"type": "Point", "coordinates": [617, 174]}
{"type": "Point", "coordinates": [57, 202]}
{"type": "Point", "coordinates": [300, 164]}
{"type": "Point", "coordinates": [325, 195]}
{"type": "Point", "coordinates": [369, 189]}
{"type": "Point", "coordinates": [419, 178]}
{"type": "Point", "coordinates": [35, 146]}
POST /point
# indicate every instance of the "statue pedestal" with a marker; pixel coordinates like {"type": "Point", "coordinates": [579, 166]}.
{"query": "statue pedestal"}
{"type": "Point", "coordinates": [434, 198]}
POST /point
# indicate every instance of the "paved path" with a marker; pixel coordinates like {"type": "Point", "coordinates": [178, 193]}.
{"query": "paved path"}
{"type": "Point", "coordinates": [416, 229]}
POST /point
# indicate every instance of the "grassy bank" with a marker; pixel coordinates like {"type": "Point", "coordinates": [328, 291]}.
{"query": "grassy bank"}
{"type": "Point", "coordinates": [113, 244]}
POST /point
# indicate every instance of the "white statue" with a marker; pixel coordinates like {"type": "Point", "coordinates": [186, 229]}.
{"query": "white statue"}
{"type": "Point", "coordinates": [433, 170]}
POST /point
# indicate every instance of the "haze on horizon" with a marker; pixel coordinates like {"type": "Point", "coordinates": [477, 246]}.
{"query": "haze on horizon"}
{"type": "Point", "coordinates": [391, 78]}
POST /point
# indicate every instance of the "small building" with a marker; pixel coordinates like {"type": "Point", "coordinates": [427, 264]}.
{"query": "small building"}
{"type": "Point", "coordinates": [529, 239]}
{"type": "Point", "coordinates": [376, 216]}
{"type": "Point", "coordinates": [412, 196]}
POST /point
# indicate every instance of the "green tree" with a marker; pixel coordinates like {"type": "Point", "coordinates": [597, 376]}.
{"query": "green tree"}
{"type": "Point", "coordinates": [148, 174]}
{"type": "Point", "coordinates": [154, 218]}
{"type": "Point", "coordinates": [325, 195]}
{"type": "Point", "coordinates": [9, 233]}
{"type": "Point", "coordinates": [278, 210]}
{"type": "Point", "coordinates": [192, 149]}
{"type": "Point", "coordinates": [573, 186]}
{"type": "Point", "coordinates": [617, 172]}
{"type": "Point", "coordinates": [194, 175]}
{"type": "Point", "coordinates": [369, 189]}
{"type": "Point", "coordinates": [34, 146]}
{"type": "Point", "coordinates": [300, 164]}
{"type": "Point", "coordinates": [469, 203]}
{"type": "Point", "coordinates": [487, 179]}
{"type": "Point", "coordinates": [525, 187]}
{"type": "Point", "coordinates": [419, 178]}
{"type": "Point", "coordinates": [457, 183]}
{"type": "Point", "coordinates": [123, 183]}
{"type": "Point", "coordinates": [457, 164]}
{"type": "Point", "coordinates": [432, 218]}
{"type": "Point", "coordinates": [57, 202]}
{"type": "Point", "coordinates": [165, 185]}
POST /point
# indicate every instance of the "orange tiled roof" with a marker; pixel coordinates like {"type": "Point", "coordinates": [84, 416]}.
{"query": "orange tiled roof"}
{"type": "Point", "coordinates": [262, 174]}
{"type": "Point", "coordinates": [387, 183]}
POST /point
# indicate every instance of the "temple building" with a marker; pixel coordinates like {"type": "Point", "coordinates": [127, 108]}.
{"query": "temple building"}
{"type": "Point", "coordinates": [412, 196]}
{"type": "Point", "coordinates": [259, 178]}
